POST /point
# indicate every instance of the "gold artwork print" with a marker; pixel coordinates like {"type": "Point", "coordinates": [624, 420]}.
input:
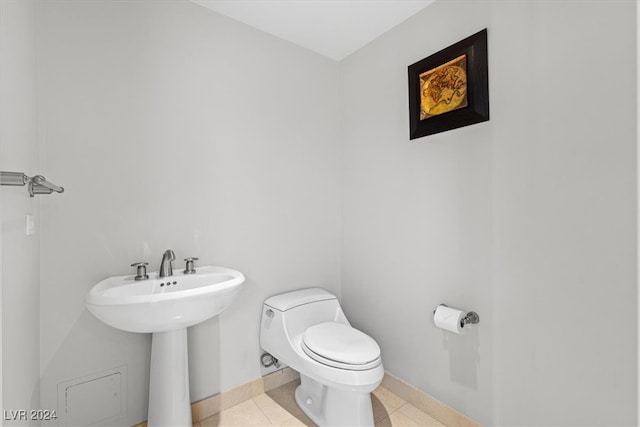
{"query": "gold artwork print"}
{"type": "Point", "coordinates": [443, 88]}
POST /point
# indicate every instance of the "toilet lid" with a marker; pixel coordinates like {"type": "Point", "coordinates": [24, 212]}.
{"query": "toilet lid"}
{"type": "Point", "coordinates": [340, 345]}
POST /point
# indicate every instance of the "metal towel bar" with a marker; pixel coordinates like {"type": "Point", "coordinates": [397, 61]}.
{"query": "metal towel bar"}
{"type": "Point", "coordinates": [37, 184]}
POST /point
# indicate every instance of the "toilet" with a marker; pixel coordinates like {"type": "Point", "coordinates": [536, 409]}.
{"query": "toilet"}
{"type": "Point", "coordinates": [339, 365]}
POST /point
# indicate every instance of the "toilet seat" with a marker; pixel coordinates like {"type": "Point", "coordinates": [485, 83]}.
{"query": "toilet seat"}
{"type": "Point", "coordinates": [341, 346]}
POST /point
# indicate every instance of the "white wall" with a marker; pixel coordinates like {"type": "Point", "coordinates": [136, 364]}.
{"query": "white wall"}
{"type": "Point", "coordinates": [529, 219]}
{"type": "Point", "coordinates": [20, 253]}
{"type": "Point", "coordinates": [171, 126]}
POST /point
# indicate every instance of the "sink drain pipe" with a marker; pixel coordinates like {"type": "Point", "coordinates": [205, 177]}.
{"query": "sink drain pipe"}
{"type": "Point", "coordinates": [268, 360]}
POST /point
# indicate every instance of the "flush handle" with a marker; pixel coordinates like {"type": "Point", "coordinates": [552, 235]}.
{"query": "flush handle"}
{"type": "Point", "coordinates": [269, 313]}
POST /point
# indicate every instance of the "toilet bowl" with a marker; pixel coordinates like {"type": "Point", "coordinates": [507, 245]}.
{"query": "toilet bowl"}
{"type": "Point", "coordinates": [339, 365]}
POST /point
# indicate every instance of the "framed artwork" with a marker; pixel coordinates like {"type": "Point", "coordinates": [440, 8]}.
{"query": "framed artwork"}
{"type": "Point", "coordinates": [450, 89]}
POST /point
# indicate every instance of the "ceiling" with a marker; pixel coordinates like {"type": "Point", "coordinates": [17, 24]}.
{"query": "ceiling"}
{"type": "Point", "coordinates": [333, 28]}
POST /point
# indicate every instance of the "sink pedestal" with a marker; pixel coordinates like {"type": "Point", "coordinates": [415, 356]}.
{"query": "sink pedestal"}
{"type": "Point", "coordinates": [166, 307]}
{"type": "Point", "coordinates": [169, 403]}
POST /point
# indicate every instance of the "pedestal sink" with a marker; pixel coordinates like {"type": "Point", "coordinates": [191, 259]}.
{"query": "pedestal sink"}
{"type": "Point", "coordinates": [166, 307]}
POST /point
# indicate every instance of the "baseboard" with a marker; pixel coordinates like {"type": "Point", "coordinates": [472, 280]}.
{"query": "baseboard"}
{"type": "Point", "coordinates": [426, 403]}
{"type": "Point", "coordinates": [212, 405]}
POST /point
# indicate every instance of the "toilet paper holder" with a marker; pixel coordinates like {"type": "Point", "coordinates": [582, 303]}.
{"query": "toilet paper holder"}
{"type": "Point", "coordinates": [470, 318]}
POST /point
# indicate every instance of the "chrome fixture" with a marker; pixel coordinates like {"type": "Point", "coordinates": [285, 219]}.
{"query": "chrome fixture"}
{"type": "Point", "coordinates": [141, 270]}
{"type": "Point", "coordinates": [37, 184]}
{"type": "Point", "coordinates": [268, 360]}
{"type": "Point", "coordinates": [188, 269]}
{"type": "Point", "coordinates": [471, 317]}
{"type": "Point", "coordinates": [166, 268]}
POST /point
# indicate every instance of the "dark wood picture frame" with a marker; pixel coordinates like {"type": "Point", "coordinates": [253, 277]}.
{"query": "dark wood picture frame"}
{"type": "Point", "coordinates": [477, 88]}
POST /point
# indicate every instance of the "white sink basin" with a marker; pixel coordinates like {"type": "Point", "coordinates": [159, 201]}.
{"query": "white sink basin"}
{"type": "Point", "coordinates": [166, 307]}
{"type": "Point", "coordinates": [164, 304]}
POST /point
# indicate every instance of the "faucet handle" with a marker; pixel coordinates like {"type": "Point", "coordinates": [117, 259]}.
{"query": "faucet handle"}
{"type": "Point", "coordinates": [141, 270]}
{"type": "Point", "coordinates": [188, 269]}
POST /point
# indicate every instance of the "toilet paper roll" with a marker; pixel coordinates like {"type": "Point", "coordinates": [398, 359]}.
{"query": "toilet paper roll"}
{"type": "Point", "coordinates": [449, 319]}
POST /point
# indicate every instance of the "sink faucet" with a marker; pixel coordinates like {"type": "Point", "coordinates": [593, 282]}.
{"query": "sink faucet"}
{"type": "Point", "coordinates": [165, 266]}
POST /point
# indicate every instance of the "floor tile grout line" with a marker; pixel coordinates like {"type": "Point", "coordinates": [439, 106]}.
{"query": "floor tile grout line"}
{"type": "Point", "coordinates": [263, 413]}
{"type": "Point", "coordinates": [271, 422]}
{"type": "Point", "coordinates": [394, 411]}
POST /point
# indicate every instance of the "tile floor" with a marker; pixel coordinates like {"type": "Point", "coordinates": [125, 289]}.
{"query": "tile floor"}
{"type": "Point", "coordinates": [278, 408]}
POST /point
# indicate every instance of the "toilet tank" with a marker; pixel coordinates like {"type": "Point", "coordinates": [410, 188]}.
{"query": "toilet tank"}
{"type": "Point", "coordinates": [287, 315]}
{"type": "Point", "coordinates": [289, 300]}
